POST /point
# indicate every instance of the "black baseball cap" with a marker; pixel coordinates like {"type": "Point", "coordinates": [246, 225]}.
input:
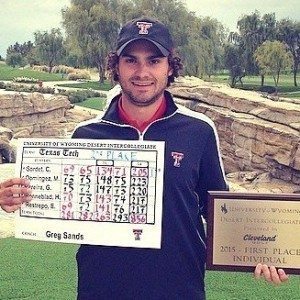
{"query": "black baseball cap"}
{"type": "Point", "coordinates": [148, 29]}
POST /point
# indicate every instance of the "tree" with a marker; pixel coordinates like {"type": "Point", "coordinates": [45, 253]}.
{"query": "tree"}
{"type": "Point", "coordinates": [91, 29]}
{"type": "Point", "coordinates": [213, 37]}
{"type": "Point", "coordinates": [234, 63]}
{"type": "Point", "coordinates": [202, 53]}
{"type": "Point", "coordinates": [253, 31]}
{"type": "Point", "coordinates": [28, 52]}
{"type": "Point", "coordinates": [289, 33]}
{"type": "Point", "coordinates": [273, 57]}
{"type": "Point", "coordinates": [19, 54]}
{"type": "Point", "coordinates": [173, 13]}
{"type": "Point", "coordinates": [199, 40]}
{"type": "Point", "coordinates": [15, 59]}
{"type": "Point", "coordinates": [49, 47]}
{"type": "Point", "coordinates": [193, 58]}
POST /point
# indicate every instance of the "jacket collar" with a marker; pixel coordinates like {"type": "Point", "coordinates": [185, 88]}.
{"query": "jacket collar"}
{"type": "Point", "coordinates": [112, 114]}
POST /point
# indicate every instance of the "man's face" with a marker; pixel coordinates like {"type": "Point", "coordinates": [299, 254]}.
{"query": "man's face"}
{"type": "Point", "coordinates": [143, 73]}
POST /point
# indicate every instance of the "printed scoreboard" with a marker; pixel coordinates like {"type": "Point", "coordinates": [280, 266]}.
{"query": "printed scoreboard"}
{"type": "Point", "coordinates": [106, 192]}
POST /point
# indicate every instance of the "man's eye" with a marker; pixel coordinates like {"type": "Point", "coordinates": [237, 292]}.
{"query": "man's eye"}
{"type": "Point", "coordinates": [154, 61]}
{"type": "Point", "coordinates": [130, 60]}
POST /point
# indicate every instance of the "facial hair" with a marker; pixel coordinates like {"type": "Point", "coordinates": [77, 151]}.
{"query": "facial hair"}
{"type": "Point", "coordinates": [139, 101]}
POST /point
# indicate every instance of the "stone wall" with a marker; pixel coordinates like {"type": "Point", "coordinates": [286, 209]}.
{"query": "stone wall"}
{"type": "Point", "coordinates": [37, 115]}
{"type": "Point", "coordinates": [256, 133]}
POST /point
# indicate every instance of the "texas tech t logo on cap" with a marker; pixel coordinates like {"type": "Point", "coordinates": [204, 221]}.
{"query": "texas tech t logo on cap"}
{"type": "Point", "coordinates": [143, 26]}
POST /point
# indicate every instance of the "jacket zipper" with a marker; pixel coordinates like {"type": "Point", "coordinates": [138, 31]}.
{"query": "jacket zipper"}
{"type": "Point", "coordinates": [140, 134]}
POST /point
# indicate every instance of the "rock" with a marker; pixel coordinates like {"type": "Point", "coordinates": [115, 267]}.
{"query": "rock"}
{"type": "Point", "coordinates": [259, 137]}
{"type": "Point", "coordinates": [78, 114]}
{"type": "Point", "coordinates": [255, 133]}
{"type": "Point", "coordinates": [258, 182]}
{"type": "Point", "coordinates": [14, 104]}
{"type": "Point", "coordinates": [5, 134]}
{"type": "Point", "coordinates": [7, 152]}
{"type": "Point", "coordinates": [23, 133]}
{"type": "Point", "coordinates": [240, 101]}
{"type": "Point", "coordinates": [36, 115]}
{"type": "Point", "coordinates": [41, 104]}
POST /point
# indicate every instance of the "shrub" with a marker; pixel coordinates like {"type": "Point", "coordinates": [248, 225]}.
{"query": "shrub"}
{"type": "Point", "coordinates": [79, 95]}
{"type": "Point", "coordinates": [79, 74]}
{"type": "Point", "coordinates": [25, 80]}
{"type": "Point", "coordinates": [28, 88]}
{"type": "Point", "coordinates": [70, 70]}
{"type": "Point", "coordinates": [62, 69]}
{"type": "Point", "coordinates": [41, 68]}
{"type": "Point", "coordinates": [45, 90]}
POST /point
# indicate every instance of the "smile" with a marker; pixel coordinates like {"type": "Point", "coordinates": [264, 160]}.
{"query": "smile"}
{"type": "Point", "coordinates": [142, 83]}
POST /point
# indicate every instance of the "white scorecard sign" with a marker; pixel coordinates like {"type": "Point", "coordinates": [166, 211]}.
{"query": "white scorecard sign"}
{"type": "Point", "coordinates": [102, 192]}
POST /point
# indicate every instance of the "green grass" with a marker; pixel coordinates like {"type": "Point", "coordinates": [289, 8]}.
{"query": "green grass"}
{"type": "Point", "coordinates": [292, 95]}
{"type": "Point", "coordinates": [94, 85]}
{"type": "Point", "coordinates": [37, 270]}
{"type": "Point", "coordinates": [94, 103]}
{"type": "Point", "coordinates": [243, 286]}
{"type": "Point", "coordinates": [8, 73]}
{"type": "Point", "coordinates": [42, 270]}
{"type": "Point", "coordinates": [286, 86]}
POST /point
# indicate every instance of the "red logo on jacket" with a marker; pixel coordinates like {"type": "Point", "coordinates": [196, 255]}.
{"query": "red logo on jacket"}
{"type": "Point", "coordinates": [137, 234]}
{"type": "Point", "coordinates": [177, 156]}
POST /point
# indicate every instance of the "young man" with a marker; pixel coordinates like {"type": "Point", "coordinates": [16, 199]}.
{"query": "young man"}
{"type": "Point", "coordinates": [144, 64]}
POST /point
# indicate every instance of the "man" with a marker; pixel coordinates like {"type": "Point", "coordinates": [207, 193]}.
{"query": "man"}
{"type": "Point", "coordinates": [144, 64]}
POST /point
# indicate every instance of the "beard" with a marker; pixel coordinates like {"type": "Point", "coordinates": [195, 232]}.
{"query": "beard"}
{"type": "Point", "coordinates": [142, 99]}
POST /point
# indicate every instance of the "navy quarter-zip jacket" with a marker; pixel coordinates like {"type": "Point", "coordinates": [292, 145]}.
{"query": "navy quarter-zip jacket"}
{"type": "Point", "coordinates": [176, 271]}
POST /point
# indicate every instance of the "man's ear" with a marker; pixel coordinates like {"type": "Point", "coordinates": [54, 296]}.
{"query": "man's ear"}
{"type": "Point", "coordinates": [170, 71]}
{"type": "Point", "coordinates": [117, 69]}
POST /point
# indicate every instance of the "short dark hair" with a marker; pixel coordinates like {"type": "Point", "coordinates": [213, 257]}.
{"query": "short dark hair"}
{"type": "Point", "coordinates": [174, 62]}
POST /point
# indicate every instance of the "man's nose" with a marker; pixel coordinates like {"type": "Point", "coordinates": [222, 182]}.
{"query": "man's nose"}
{"type": "Point", "coordinates": [142, 68]}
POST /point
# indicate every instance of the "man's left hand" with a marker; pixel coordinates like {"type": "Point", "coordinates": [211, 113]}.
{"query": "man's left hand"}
{"type": "Point", "coordinates": [271, 274]}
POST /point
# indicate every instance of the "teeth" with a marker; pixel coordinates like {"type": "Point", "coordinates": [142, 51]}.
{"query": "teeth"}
{"type": "Point", "coordinates": [142, 84]}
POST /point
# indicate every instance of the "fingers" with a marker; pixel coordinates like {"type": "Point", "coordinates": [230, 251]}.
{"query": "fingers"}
{"type": "Point", "coordinates": [274, 277]}
{"type": "Point", "coordinates": [258, 271]}
{"type": "Point", "coordinates": [10, 208]}
{"type": "Point", "coordinates": [13, 193]}
{"type": "Point", "coordinates": [262, 270]}
{"type": "Point", "coordinates": [282, 275]}
{"type": "Point", "coordinates": [19, 196]}
{"type": "Point", "coordinates": [14, 181]}
{"type": "Point", "coordinates": [271, 274]}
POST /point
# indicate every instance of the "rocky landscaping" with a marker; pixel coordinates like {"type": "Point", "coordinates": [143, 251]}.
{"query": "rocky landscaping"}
{"type": "Point", "coordinates": [259, 137]}
{"type": "Point", "coordinates": [36, 115]}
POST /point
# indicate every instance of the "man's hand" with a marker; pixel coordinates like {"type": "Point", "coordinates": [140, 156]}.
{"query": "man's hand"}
{"type": "Point", "coordinates": [14, 192]}
{"type": "Point", "coordinates": [270, 274]}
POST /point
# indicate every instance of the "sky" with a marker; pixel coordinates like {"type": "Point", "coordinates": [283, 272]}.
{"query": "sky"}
{"type": "Point", "coordinates": [19, 19]}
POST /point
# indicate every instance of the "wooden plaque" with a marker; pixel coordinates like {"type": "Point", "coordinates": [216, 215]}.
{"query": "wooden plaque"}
{"type": "Point", "coordinates": [244, 229]}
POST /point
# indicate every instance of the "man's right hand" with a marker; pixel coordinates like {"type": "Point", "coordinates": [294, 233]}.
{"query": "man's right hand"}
{"type": "Point", "coordinates": [14, 192]}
